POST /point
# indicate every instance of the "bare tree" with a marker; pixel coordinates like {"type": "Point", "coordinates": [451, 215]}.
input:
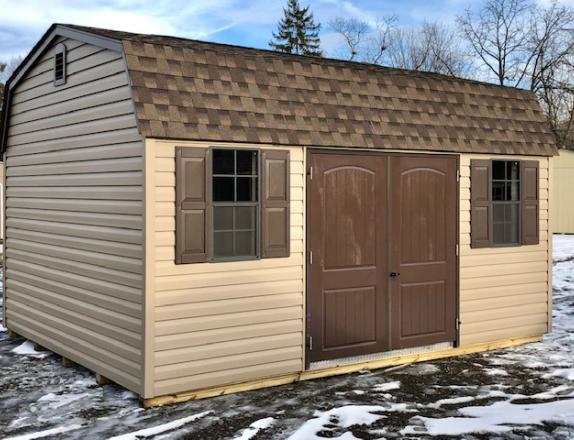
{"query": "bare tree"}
{"type": "Point", "coordinates": [6, 70]}
{"type": "Point", "coordinates": [498, 34]}
{"type": "Point", "coordinates": [362, 42]}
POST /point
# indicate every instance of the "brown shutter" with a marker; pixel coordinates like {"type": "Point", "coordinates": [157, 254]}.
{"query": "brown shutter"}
{"type": "Point", "coordinates": [480, 204]}
{"type": "Point", "coordinates": [529, 201]}
{"type": "Point", "coordinates": [275, 203]}
{"type": "Point", "coordinates": [192, 199]}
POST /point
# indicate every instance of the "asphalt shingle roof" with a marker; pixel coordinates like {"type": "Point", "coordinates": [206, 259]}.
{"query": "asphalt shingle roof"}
{"type": "Point", "coordinates": [187, 89]}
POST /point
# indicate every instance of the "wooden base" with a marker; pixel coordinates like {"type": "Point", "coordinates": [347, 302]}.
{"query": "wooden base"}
{"type": "Point", "coordinates": [67, 363]}
{"type": "Point", "coordinates": [334, 371]}
{"type": "Point", "coordinates": [102, 380]}
{"type": "Point", "coordinates": [39, 347]}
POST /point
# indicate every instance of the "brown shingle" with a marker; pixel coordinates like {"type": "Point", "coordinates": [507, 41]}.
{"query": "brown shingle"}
{"type": "Point", "coordinates": [185, 89]}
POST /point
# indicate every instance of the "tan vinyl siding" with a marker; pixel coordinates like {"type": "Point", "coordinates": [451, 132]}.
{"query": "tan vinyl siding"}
{"type": "Point", "coordinates": [562, 209]}
{"type": "Point", "coordinates": [74, 247]}
{"type": "Point", "coordinates": [503, 291]}
{"type": "Point", "coordinates": [220, 323]}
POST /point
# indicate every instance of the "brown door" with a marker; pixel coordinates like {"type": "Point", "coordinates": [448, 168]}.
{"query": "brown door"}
{"type": "Point", "coordinates": [382, 236]}
{"type": "Point", "coordinates": [348, 272]}
{"type": "Point", "coordinates": [423, 254]}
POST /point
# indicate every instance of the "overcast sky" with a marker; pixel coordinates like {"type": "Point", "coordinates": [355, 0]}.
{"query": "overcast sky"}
{"type": "Point", "coordinates": [244, 22]}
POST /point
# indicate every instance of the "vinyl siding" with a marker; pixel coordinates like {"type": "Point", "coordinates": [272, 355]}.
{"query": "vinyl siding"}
{"type": "Point", "coordinates": [562, 210]}
{"type": "Point", "coordinates": [221, 323]}
{"type": "Point", "coordinates": [504, 292]}
{"type": "Point", "coordinates": [74, 210]}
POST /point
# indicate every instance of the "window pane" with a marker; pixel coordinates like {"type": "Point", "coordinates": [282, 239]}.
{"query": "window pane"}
{"type": "Point", "coordinates": [512, 170]}
{"type": "Point", "coordinates": [222, 244]}
{"type": "Point", "coordinates": [246, 189]}
{"type": "Point", "coordinates": [222, 218]}
{"type": "Point", "coordinates": [245, 243]}
{"type": "Point", "coordinates": [498, 170]}
{"type": "Point", "coordinates": [498, 212]}
{"type": "Point", "coordinates": [513, 217]}
{"type": "Point", "coordinates": [223, 189]}
{"type": "Point", "coordinates": [245, 217]}
{"type": "Point", "coordinates": [498, 191]}
{"type": "Point", "coordinates": [498, 230]}
{"type": "Point", "coordinates": [223, 162]}
{"type": "Point", "coordinates": [246, 162]}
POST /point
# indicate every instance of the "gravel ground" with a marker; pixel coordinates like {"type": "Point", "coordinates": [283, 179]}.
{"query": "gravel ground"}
{"type": "Point", "coordinates": [523, 392]}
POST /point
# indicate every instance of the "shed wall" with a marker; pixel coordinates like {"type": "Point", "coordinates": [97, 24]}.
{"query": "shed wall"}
{"type": "Point", "coordinates": [220, 323]}
{"type": "Point", "coordinates": [74, 210]}
{"type": "Point", "coordinates": [562, 210]}
{"type": "Point", "coordinates": [504, 291]}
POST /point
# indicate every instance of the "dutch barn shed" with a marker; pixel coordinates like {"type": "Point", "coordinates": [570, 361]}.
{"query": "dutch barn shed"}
{"type": "Point", "coordinates": [189, 219]}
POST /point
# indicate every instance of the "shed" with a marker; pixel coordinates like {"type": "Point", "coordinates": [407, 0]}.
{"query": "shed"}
{"type": "Point", "coordinates": [563, 207]}
{"type": "Point", "coordinates": [190, 219]}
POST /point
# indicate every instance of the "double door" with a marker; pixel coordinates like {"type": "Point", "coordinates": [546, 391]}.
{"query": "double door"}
{"type": "Point", "coordinates": [382, 241]}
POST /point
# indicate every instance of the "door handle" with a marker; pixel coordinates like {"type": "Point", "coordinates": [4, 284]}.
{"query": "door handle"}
{"type": "Point", "coordinates": [394, 274]}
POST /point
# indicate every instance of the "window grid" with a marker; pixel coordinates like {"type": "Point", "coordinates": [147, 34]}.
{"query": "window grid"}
{"type": "Point", "coordinates": [233, 233]}
{"type": "Point", "coordinates": [506, 202]}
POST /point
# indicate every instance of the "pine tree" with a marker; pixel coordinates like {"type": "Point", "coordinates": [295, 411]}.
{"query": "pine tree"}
{"type": "Point", "coordinates": [297, 32]}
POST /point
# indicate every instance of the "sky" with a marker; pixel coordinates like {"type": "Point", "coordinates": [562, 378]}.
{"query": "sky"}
{"type": "Point", "coordinates": [242, 22]}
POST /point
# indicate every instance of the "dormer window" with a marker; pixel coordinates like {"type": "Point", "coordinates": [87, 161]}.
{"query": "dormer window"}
{"type": "Point", "coordinates": [60, 65]}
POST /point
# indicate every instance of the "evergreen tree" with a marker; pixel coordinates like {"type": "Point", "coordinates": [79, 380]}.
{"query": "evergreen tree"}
{"type": "Point", "coordinates": [297, 32]}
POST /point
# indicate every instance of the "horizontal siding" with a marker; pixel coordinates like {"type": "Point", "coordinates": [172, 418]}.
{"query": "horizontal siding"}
{"type": "Point", "coordinates": [220, 323]}
{"type": "Point", "coordinates": [563, 180]}
{"type": "Point", "coordinates": [503, 291]}
{"type": "Point", "coordinates": [74, 209]}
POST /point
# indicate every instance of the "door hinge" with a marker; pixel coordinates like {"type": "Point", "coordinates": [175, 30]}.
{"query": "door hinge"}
{"type": "Point", "coordinates": [310, 173]}
{"type": "Point", "coordinates": [457, 323]}
{"type": "Point", "coordinates": [456, 249]}
{"type": "Point", "coordinates": [458, 175]}
{"type": "Point", "coordinates": [310, 257]}
{"type": "Point", "coordinates": [310, 342]}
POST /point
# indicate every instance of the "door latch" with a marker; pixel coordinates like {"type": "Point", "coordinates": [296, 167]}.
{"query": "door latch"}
{"type": "Point", "coordinates": [394, 274]}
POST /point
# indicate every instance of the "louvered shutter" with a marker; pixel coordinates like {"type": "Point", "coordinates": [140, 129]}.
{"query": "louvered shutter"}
{"type": "Point", "coordinates": [275, 212]}
{"type": "Point", "coordinates": [480, 204]}
{"type": "Point", "coordinates": [529, 201]}
{"type": "Point", "coordinates": [192, 200]}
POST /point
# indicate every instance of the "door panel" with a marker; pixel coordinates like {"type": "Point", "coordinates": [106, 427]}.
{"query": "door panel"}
{"type": "Point", "coordinates": [423, 230]}
{"type": "Point", "coordinates": [371, 217]}
{"type": "Point", "coordinates": [347, 225]}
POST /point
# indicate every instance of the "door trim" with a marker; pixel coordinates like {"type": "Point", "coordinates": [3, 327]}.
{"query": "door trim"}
{"type": "Point", "coordinates": [308, 182]}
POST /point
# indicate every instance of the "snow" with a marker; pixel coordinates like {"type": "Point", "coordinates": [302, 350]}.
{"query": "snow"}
{"type": "Point", "coordinates": [255, 427]}
{"type": "Point", "coordinates": [383, 387]}
{"type": "Point", "coordinates": [150, 432]}
{"type": "Point", "coordinates": [342, 417]}
{"type": "Point", "coordinates": [500, 417]}
{"type": "Point", "coordinates": [46, 433]}
{"type": "Point", "coordinates": [27, 349]}
{"type": "Point", "coordinates": [58, 401]}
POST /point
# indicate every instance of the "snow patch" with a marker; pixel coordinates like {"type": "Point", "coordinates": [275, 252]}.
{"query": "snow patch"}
{"type": "Point", "coordinates": [389, 386]}
{"type": "Point", "coordinates": [150, 432]}
{"type": "Point", "coordinates": [255, 427]}
{"type": "Point", "coordinates": [342, 417]}
{"type": "Point", "coordinates": [46, 433]}
{"type": "Point", "coordinates": [27, 349]}
{"type": "Point", "coordinates": [496, 372]}
{"type": "Point", "coordinates": [566, 373]}
{"type": "Point", "coordinates": [499, 417]}
{"type": "Point", "coordinates": [57, 401]}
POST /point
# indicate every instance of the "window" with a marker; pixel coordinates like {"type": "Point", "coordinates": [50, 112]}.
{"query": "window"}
{"type": "Point", "coordinates": [235, 193]}
{"type": "Point", "coordinates": [231, 204]}
{"type": "Point", "coordinates": [505, 202]}
{"type": "Point", "coordinates": [60, 65]}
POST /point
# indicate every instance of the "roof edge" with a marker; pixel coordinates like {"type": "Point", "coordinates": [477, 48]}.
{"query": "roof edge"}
{"type": "Point", "coordinates": [55, 30]}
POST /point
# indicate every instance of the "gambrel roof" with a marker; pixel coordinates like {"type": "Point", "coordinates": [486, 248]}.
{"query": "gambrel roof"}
{"type": "Point", "coordinates": [193, 90]}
